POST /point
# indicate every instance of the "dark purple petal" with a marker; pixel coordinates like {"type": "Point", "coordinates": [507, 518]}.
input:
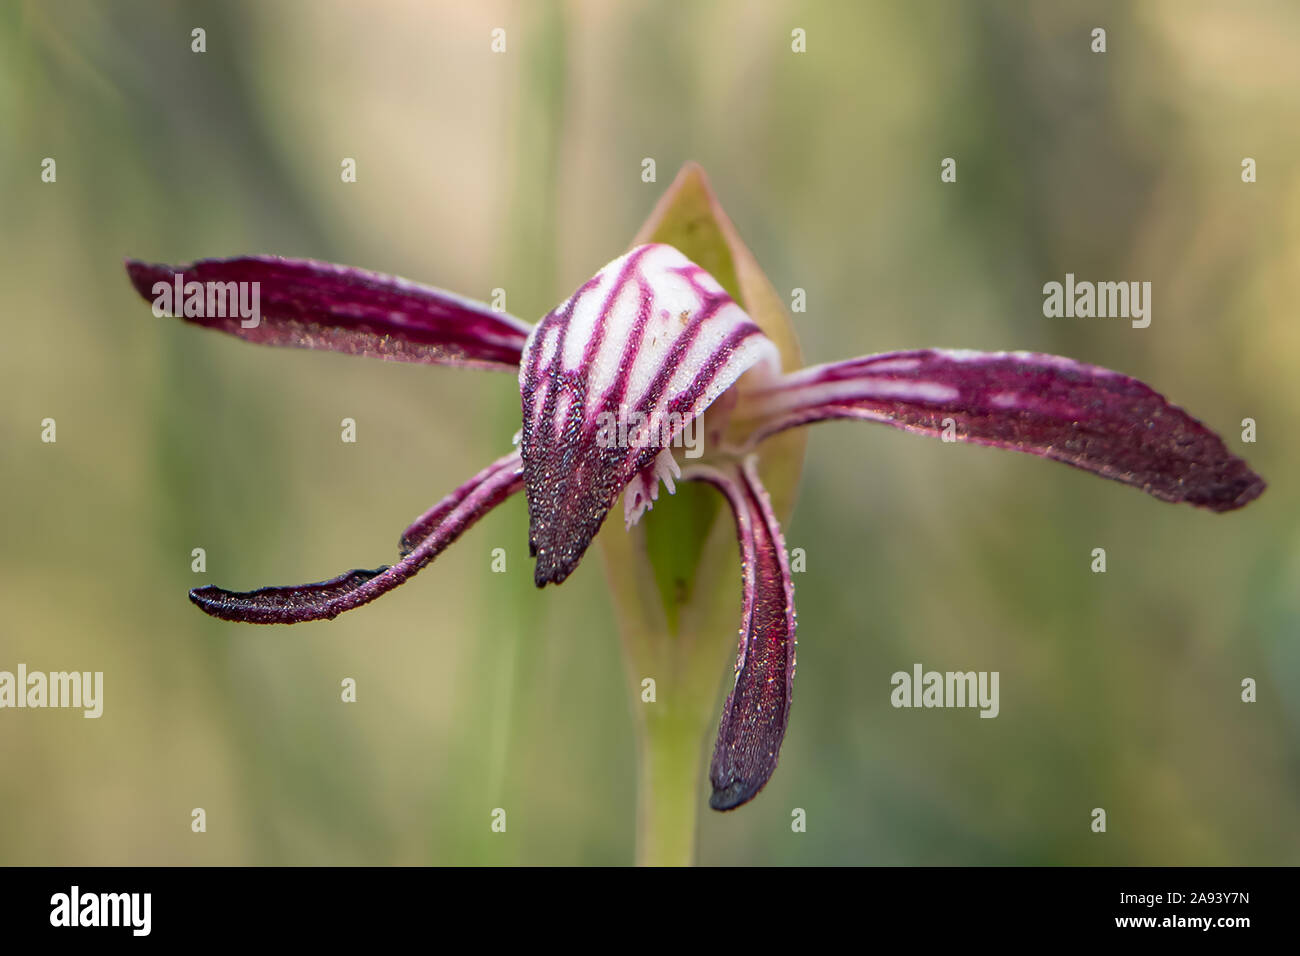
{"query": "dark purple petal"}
{"type": "Point", "coordinates": [649, 341]}
{"type": "Point", "coordinates": [1088, 417]}
{"type": "Point", "coordinates": [316, 305]}
{"type": "Point", "coordinates": [436, 529]}
{"type": "Point", "coordinates": [758, 708]}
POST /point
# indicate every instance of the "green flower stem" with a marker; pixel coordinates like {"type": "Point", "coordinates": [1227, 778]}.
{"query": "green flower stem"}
{"type": "Point", "coordinates": [669, 795]}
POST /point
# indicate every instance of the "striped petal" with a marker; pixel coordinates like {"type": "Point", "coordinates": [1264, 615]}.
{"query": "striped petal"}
{"type": "Point", "coordinates": [1088, 417]}
{"type": "Point", "coordinates": [421, 543]}
{"type": "Point", "coordinates": [758, 708]}
{"type": "Point", "coordinates": [315, 305]}
{"type": "Point", "coordinates": [610, 378]}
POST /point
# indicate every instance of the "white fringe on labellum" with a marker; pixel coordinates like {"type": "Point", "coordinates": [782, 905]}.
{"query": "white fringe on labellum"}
{"type": "Point", "coordinates": [643, 490]}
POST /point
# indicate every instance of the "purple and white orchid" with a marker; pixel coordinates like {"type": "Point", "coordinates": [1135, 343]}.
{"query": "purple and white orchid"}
{"type": "Point", "coordinates": [655, 340]}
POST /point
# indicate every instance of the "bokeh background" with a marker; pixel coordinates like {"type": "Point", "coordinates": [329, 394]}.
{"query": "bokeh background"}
{"type": "Point", "coordinates": [522, 170]}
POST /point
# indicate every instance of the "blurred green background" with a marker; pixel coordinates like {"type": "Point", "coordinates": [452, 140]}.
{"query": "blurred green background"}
{"type": "Point", "coordinates": [522, 170]}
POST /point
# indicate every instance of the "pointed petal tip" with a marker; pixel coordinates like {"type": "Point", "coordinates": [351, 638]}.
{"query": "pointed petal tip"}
{"type": "Point", "coordinates": [143, 275]}
{"type": "Point", "coordinates": [207, 598]}
{"type": "Point", "coordinates": [216, 602]}
{"type": "Point", "coordinates": [1251, 485]}
{"type": "Point", "coordinates": [692, 170]}
{"type": "Point", "coordinates": [552, 570]}
{"type": "Point", "coordinates": [733, 795]}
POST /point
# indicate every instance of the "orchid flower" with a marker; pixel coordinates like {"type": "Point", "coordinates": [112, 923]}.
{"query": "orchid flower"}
{"type": "Point", "coordinates": [655, 340]}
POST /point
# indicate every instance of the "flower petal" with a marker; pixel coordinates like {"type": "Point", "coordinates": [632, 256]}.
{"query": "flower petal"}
{"type": "Point", "coordinates": [610, 377]}
{"type": "Point", "coordinates": [1083, 415]}
{"type": "Point", "coordinates": [435, 529]}
{"type": "Point", "coordinates": [758, 708]}
{"type": "Point", "coordinates": [316, 305]}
